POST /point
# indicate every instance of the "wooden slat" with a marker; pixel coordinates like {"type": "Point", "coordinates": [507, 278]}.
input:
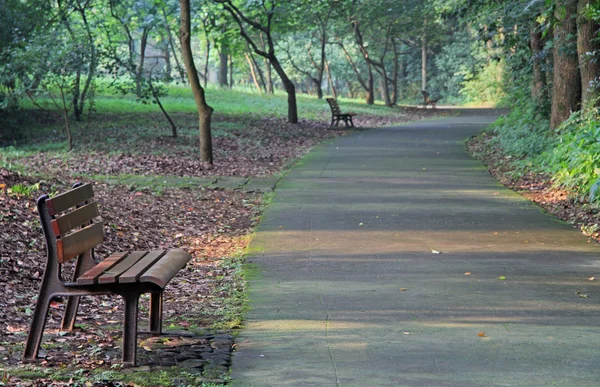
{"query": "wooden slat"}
{"type": "Point", "coordinates": [90, 276]}
{"type": "Point", "coordinates": [136, 271]}
{"type": "Point", "coordinates": [74, 219]}
{"type": "Point", "coordinates": [110, 276]}
{"type": "Point", "coordinates": [166, 268]}
{"type": "Point", "coordinates": [68, 199]}
{"type": "Point", "coordinates": [79, 242]}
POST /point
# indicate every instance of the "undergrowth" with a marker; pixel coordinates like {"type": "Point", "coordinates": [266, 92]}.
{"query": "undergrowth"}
{"type": "Point", "coordinates": [570, 155]}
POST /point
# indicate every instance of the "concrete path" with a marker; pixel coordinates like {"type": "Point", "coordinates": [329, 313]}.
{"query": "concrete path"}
{"type": "Point", "coordinates": [346, 291]}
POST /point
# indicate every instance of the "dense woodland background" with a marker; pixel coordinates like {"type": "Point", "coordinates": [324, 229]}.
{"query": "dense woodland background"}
{"type": "Point", "coordinates": [538, 57]}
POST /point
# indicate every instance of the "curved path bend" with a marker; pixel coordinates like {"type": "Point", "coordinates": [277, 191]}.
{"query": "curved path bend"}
{"type": "Point", "coordinates": [346, 289]}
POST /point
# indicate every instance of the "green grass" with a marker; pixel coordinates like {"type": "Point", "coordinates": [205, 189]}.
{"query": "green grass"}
{"type": "Point", "coordinates": [237, 102]}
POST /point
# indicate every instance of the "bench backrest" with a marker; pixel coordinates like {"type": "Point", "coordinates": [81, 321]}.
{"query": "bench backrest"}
{"type": "Point", "coordinates": [68, 223]}
{"type": "Point", "coordinates": [335, 108]}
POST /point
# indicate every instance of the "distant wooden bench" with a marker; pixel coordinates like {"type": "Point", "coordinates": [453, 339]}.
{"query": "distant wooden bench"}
{"type": "Point", "coordinates": [70, 231]}
{"type": "Point", "coordinates": [337, 115]}
{"type": "Point", "coordinates": [429, 101]}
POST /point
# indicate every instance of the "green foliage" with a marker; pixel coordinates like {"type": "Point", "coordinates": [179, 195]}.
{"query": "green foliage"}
{"type": "Point", "coordinates": [523, 134]}
{"type": "Point", "coordinates": [575, 159]}
{"type": "Point", "coordinates": [457, 61]}
{"type": "Point", "coordinates": [571, 156]}
{"type": "Point", "coordinates": [485, 86]}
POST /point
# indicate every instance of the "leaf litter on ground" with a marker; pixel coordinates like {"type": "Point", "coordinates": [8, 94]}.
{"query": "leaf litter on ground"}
{"type": "Point", "coordinates": [212, 225]}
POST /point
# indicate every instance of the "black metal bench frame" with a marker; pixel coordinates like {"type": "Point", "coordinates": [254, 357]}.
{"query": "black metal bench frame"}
{"type": "Point", "coordinates": [74, 235]}
{"type": "Point", "coordinates": [337, 115]}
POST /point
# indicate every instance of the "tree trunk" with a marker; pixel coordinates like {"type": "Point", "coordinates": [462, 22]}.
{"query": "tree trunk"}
{"type": "Point", "coordinates": [424, 60]}
{"type": "Point", "coordinates": [206, 60]}
{"type": "Point", "coordinates": [231, 71]}
{"type": "Point", "coordinates": [261, 76]}
{"type": "Point", "coordinates": [318, 87]}
{"type": "Point", "coordinates": [162, 109]}
{"type": "Point", "coordinates": [566, 96]}
{"type": "Point", "coordinates": [76, 91]}
{"type": "Point", "coordinates": [204, 111]}
{"type": "Point", "coordinates": [140, 69]}
{"type": "Point", "coordinates": [167, 55]}
{"type": "Point", "coordinates": [290, 89]}
{"type": "Point", "coordinates": [223, 58]}
{"type": "Point", "coordinates": [385, 87]}
{"type": "Point", "coordinates": [587, 34]}
{"type": "Point", "coordinates": [93, 63]}
{"type": "Point", "coordinates": [370, 97]}
{"type": "Point", "coordinates": [270, 88]}
{"type": "Point", "coordinates": [253, 73]}
{"type": "Point", "coordinates": [331, 85]}
{"type": "Point", "coordinates": [173, 51]}
{"type": "Point", "coordinates": [394, 79]}
{"type": "Point", "coordinates": [539, 77]}
{"type": "Point", "coordinates": [65, 111]}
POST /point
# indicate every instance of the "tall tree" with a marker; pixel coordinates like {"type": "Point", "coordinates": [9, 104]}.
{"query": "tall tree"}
{"type": "Point", "coordinates": [538, 81]}
{"type": "Point", "coordinates": [315, 25]}
{"type": "Point", "coordinates": [204, 110]}
{"type": "Point", "coordinates": [566, 96]}
{"type": "Point", "coordinates": [248, 18]}
{"type": "Point", "coordinates": [83, 44]}
{"type": "Point", "coordinates": [588, 48]}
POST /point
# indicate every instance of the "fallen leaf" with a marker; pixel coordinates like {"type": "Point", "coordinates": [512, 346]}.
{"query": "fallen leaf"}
{"type": "Point", "coordinates": [501, 278]}
{"type": "Point", "coordinates": [403, 289]}
{"type": "Point", "coordinates": [481, 334]}
{"type": "Point", "coordinates": [468, 273]}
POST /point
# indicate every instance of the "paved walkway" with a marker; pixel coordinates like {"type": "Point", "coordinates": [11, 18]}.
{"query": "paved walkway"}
{"type": "Point", "coordinates": [346, 291]}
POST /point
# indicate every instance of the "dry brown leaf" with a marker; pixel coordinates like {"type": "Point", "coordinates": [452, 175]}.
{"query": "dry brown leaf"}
{"type": "Point", "coordinates": [481, 334]}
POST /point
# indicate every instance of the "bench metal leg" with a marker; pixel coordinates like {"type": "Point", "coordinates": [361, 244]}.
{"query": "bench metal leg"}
{"type": "Point", "coordinates": [156, 303]}
{"type": "Point", "coordinates": [68, 321]}
{"type": "Point", "coordinates": [84, 263]}
{"type": "Point", "coordinates": [38, 322]}
{"type": "Point", "coordinates": [130, 328]}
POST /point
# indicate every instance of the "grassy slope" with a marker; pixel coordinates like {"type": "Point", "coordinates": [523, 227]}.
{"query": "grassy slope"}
{"type": "Point", "coordinates": [228, 102]}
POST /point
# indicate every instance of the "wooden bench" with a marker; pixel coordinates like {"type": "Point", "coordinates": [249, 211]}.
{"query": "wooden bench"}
{"type": "Point", "coordinates": [70, 232]}
{"type": "Point", "coordinates": [337, 115]}
{"type": "Point", "coordinates": [428, 101]}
